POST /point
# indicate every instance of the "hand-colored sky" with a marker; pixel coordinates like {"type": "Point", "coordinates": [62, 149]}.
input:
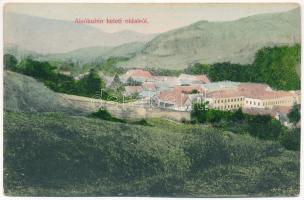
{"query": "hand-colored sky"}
{"type": "Point", "coordinates": [161, 17]}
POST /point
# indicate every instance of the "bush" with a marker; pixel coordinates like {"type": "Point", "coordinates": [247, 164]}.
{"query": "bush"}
{"type": "Point", "coordinates": [291, 139]}
{"type": "Point", "coordinates": [260, 126]}
{"type": "Point", "coordinates": [205, 149]}
{"type": "Point", "coordinates": [105, 115]}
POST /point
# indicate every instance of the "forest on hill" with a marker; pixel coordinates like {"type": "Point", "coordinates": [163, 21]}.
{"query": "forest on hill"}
{"type": "Point", "coordinates": [277, 66]}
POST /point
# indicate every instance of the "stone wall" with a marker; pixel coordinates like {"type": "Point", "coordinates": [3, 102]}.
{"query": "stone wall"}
{"type": "Point", "coordinates": [134, 110]}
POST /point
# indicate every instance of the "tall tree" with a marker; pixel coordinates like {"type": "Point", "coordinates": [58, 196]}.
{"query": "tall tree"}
{"type": "Point", "coordinates": [294, 115]}
{"type": "Point", "coordinates": [10, 62]}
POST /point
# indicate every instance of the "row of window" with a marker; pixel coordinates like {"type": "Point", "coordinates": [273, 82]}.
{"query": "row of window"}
{"type": "Point", "coordinates": [228, 107]}
{"type": "Point", "coordinates": [268, 103]}
{"type": "Point", "coordinates": [278, 102]}
{"type": "Point", "coordinates": [228, 100]}
{"type": "Point", "coordinates": [253, 103]}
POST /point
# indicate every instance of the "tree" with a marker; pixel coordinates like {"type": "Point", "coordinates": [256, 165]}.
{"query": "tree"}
{"type": "Point", "coordinates": [117, 84]}
{"type": "Point", "coordinates": [94, 82]}
{"type": "Point", "coordinates": [10, 62]}
{"type": "Point", "coordinates": [194, 91]}
{"type": "Point", "coordinates": [132, 82]}
{"type": "Point", "coordinates": [294, 115]}
{"type": "Point", "coordinates": [276, 66]}
{"type": "Point", "coordinates": [290, 139]}
{"type": "Point", "coordinates": [91, 84]}
{"type": "Point", "coordinates": [238, 116]}
{"type": "Point", "coordinates": [36, 69]}
{"type": "Point", "coordinates": [199, 111]}
{"type": "Point", "coordinates": [198, 68]}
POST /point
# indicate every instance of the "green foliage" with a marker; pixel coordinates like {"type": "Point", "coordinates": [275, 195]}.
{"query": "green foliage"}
{"type": "Point", "coordinates": [142, 122]}
{"type": "Point", "coordinates": [194, 91]}
{"type": "Point", "coordinates": [163, 72]}
{"type": "Point", "coordinates": [90, 85]}
{"type": "Point", "coordinates": [275, 66]}
{"type": "Point", "coordinates": [132, 82]}
{"type": "Point", "coordinates": [58, 155]}
{"type": "Point", "coordinates": [105, 115]}
{"type": "Point", "coordinates": [260, 126]}
{"type": "Point", "coordinates": [10, 61]}
{"type": "Point", "coordinates": [36, 69]}
{"type": "Point", "coordinates": [197, 69]}
{"type": "Point", "coordinates": [206, 149]}
{"type": "Point", "coordinates": [232, 72]}
{"type": "Point", "coordinates": [200, 113]}
{"type": "Point", "coordinates": [108, 67]}
{"type": "Point", "coordinates": [291, 139]}
{"type": "Point", "coordinates": [294, 115]}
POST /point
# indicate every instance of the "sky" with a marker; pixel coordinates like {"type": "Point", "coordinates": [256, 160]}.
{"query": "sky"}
{"type": "Point", "coordinates": [161, 17]}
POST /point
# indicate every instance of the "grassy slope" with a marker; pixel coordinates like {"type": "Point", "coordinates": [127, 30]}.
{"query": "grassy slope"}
{"type": "Point", "coordinates": [25, 94]}
{"type": "Point", "coordinates": [56, 154]}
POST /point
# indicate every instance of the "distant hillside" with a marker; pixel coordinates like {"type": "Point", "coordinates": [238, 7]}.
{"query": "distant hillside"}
{"type": "Point", "coordinates": [91, 54]}
{"type": "Point", "coordinates": [57, 36]}
{"type": "Point", "coordinates": [210, 42]}
{"type": "Point", "coordinates": [25, 94]}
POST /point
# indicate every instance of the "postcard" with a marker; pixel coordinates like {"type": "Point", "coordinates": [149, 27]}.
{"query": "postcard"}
{"type": "Point", "coordinates": [151, 100]}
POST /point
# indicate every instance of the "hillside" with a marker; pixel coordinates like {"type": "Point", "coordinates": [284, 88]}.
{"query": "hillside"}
{"type": "Point", "coordinates": [46, 36]}
{"type": "Point", "coordinates": [25, 94]}
{"type": "Point", "coordinates": [91, 54]}
{"type": "Point", "coordinates": [210, 42]}
{"type": "Point", "coordinates": [79, 156]}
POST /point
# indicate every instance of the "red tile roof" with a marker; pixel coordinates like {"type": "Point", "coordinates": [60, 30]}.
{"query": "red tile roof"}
{"type": "Point", "coordinates": [224, 93]}
{"type": "Point", "coordinates": [133, 89]}
{"type": "Point", "coordinates": [250, 90]}
{"type": "Point", "coordinates": [149, 86]}
{"type": "Point", "coordinates": [179, 94]}
{"type": "Point", "coordinates": [203, 78]}
{"type": "Point", "coordinates": [175, 97]}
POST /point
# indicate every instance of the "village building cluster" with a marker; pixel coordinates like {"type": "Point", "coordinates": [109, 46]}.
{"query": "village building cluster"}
{"type": "Point", "coordinates": [179, 93]}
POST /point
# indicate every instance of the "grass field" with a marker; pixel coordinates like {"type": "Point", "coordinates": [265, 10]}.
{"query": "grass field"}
{"type": "Point", "coordinates": [56, 154]}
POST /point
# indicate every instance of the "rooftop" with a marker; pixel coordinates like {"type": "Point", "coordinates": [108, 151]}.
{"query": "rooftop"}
{"type": "Point", "coordinates": [220, 85]}
{"type": "Point", "coordinates": [193, 79]}
{"type": "Point", "coordinates": [133, 89]}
